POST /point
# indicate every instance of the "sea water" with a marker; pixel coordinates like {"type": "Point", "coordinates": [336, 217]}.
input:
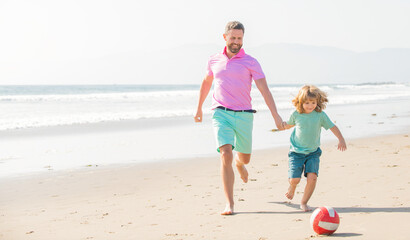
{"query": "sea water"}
{"type": "Point", "coordinates": [45, 106]}
{"type": "Point", "coordinates": [63, 127]}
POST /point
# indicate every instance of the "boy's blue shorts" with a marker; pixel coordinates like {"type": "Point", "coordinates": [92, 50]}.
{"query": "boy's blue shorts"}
{"type": "Point", "coordinates": [234, 128]}
{"type": "Point", "coordinates": [299, 162]}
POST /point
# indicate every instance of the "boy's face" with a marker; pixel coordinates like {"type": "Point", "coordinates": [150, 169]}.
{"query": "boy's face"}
{"type": "Point", "coordinates": [309, 105]}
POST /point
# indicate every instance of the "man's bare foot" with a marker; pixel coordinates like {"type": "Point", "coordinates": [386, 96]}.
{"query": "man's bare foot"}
{"type": "Point", "coordinates": [305, 208]}
{"type": "Point", "coordinates": [291, 192]}
{"type": "Point", "coordinates": [242, 171]}
{"type": "Point", "coordinates": [228, 210]}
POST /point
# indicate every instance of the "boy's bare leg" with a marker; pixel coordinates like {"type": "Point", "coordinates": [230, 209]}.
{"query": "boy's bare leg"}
{"type": "Point", "coordinates": [310, 187]}
{"type": "Point", "coordinates": [241, 160]}
{"type": "Point", "coordinates": [228, 177]}
{"type": "Point", "coordinates": [293, 182]}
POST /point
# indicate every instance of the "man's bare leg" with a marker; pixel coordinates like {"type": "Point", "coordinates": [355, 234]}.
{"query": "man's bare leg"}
{"type": "Point", "coordinates": [293, 182]}
{"type": "Point", "coordinates": [310, 187]}
{"type": "Point", "coordinates": [228, 177]}
{"type": "Point", "coordinates": [241, 160]}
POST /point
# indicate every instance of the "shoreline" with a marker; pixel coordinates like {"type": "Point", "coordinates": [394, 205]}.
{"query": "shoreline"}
{"type": "Point", "coordinates": [174, 160]}
{"type": "Point", "coordinates": [182, 200]}
{"type": "Point", "coordinates": [26, 151]}
{"type": "Point", "coordinates": [116, 127]}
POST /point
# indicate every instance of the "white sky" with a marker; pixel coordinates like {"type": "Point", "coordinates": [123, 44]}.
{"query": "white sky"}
{"type": "Point", "coordinates": [53, 30]}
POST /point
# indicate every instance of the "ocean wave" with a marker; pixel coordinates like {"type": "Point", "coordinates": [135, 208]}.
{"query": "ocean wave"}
{"type": "Point", "coordinates": [370, 86]}
{"type": "Point", "coordinates": [378, 83]}
{"type": "Point", "coordinates": [44, 110]}
{"type": "Point", "coordinates": [349, 99]}
{"type": "Point", "coordinates": [75, 119]}
{"type": "Point", "coordinates": [131, 96]}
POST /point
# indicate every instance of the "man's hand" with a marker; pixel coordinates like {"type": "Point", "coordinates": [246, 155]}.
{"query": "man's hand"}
{"type": "Point", "coordinates": [198, 116]}
{"type": "Point", "coordinates": [279, 123]}
{"type": "Point", "coordinates": [203, 92]}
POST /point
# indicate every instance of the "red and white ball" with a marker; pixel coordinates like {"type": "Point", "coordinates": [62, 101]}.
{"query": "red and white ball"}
{"type": "Point", "coordinates": [324, 220]}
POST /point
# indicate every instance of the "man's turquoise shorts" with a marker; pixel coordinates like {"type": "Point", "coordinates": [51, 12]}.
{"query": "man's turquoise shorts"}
{"type": "Point", "coordinates": [234, 128]}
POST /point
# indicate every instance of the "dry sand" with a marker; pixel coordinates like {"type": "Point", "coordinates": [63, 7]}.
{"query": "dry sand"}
{"type": "Point", "coordinates": [369, 186]}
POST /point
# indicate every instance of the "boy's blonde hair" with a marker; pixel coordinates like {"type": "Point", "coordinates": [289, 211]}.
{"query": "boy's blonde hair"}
{"type": "Point", "coordinates": [309, 92]}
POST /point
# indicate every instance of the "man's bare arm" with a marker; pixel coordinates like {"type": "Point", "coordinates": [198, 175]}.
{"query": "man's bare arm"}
{"type": "Point", "coordinates": [203, 93]}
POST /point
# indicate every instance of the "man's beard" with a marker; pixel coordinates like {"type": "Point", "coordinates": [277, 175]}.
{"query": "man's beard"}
{"type": "Point", "coordinates": [234, 48]}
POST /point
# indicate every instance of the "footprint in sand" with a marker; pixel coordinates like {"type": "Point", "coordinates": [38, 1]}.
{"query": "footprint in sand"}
{"type": "Point", "coordinates": [171, 234]}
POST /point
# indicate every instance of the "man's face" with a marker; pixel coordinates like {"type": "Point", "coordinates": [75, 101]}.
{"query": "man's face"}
{"type": "Point", "coordinates": [234, 40]}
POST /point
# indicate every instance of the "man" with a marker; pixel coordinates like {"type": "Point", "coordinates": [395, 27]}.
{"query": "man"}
{"type": "Point", "coordinates": [233, 72]}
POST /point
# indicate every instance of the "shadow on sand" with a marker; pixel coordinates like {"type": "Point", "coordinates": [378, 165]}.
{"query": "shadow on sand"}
{"type": "Point", "coordinates": [296, 210]}
{"type": "Point", "coordinates": [354, 209]}
{"type": "Point", "coordinates": [338, 209]}
{"type": "Point", "coordinates": [346, 234]}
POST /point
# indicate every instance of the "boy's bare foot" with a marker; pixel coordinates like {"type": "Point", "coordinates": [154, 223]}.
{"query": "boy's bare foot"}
{"type": "Point", "coordinates": [291, 192]}
{"type": "Point", "coordinates": [228, 210]}
{"type": "Point", "coordinates": [242, 171]}
{"type": "Point", "coordinates": [305, 208]}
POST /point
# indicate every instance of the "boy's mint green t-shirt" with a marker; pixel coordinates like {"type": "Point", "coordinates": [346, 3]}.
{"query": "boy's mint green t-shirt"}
{"type": "Point", "coordinates": [305, 137]}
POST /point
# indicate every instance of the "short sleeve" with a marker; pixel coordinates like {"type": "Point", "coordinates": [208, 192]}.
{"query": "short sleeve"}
{"type": "Point", "coordinates": [208, 68]}
{"type": "Point", "coordinates": [256, 70]}
{"type": "Point", "coordinates": [291, 120]}
{"type": "Point", "coordinates": [326, 122]}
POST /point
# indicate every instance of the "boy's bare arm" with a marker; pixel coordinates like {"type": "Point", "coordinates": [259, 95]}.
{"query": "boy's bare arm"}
{"type": "Point", "coordinates": [203, 93]}
{"type": "Point", "coordinates": [342, 144]}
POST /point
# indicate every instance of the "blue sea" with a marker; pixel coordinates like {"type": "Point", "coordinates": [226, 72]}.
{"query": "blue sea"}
{"type": "Point", "coordinates": [48, 105]}
{"type": "Point", "coordinates": [51, 128]}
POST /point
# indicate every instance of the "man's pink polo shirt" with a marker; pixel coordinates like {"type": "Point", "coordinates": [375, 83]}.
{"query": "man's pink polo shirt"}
{"type": "Point", "coordinates": [233, 79]}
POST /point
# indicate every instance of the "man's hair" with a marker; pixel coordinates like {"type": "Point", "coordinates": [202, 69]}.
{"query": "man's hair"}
{"type": "Point", "coordinates": [234, 25]}
{"type": "Point", "coordinates": [310, 92]}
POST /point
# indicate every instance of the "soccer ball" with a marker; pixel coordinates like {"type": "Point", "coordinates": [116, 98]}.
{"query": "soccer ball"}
{"type": "Point", "coordinates": [324, 220]}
